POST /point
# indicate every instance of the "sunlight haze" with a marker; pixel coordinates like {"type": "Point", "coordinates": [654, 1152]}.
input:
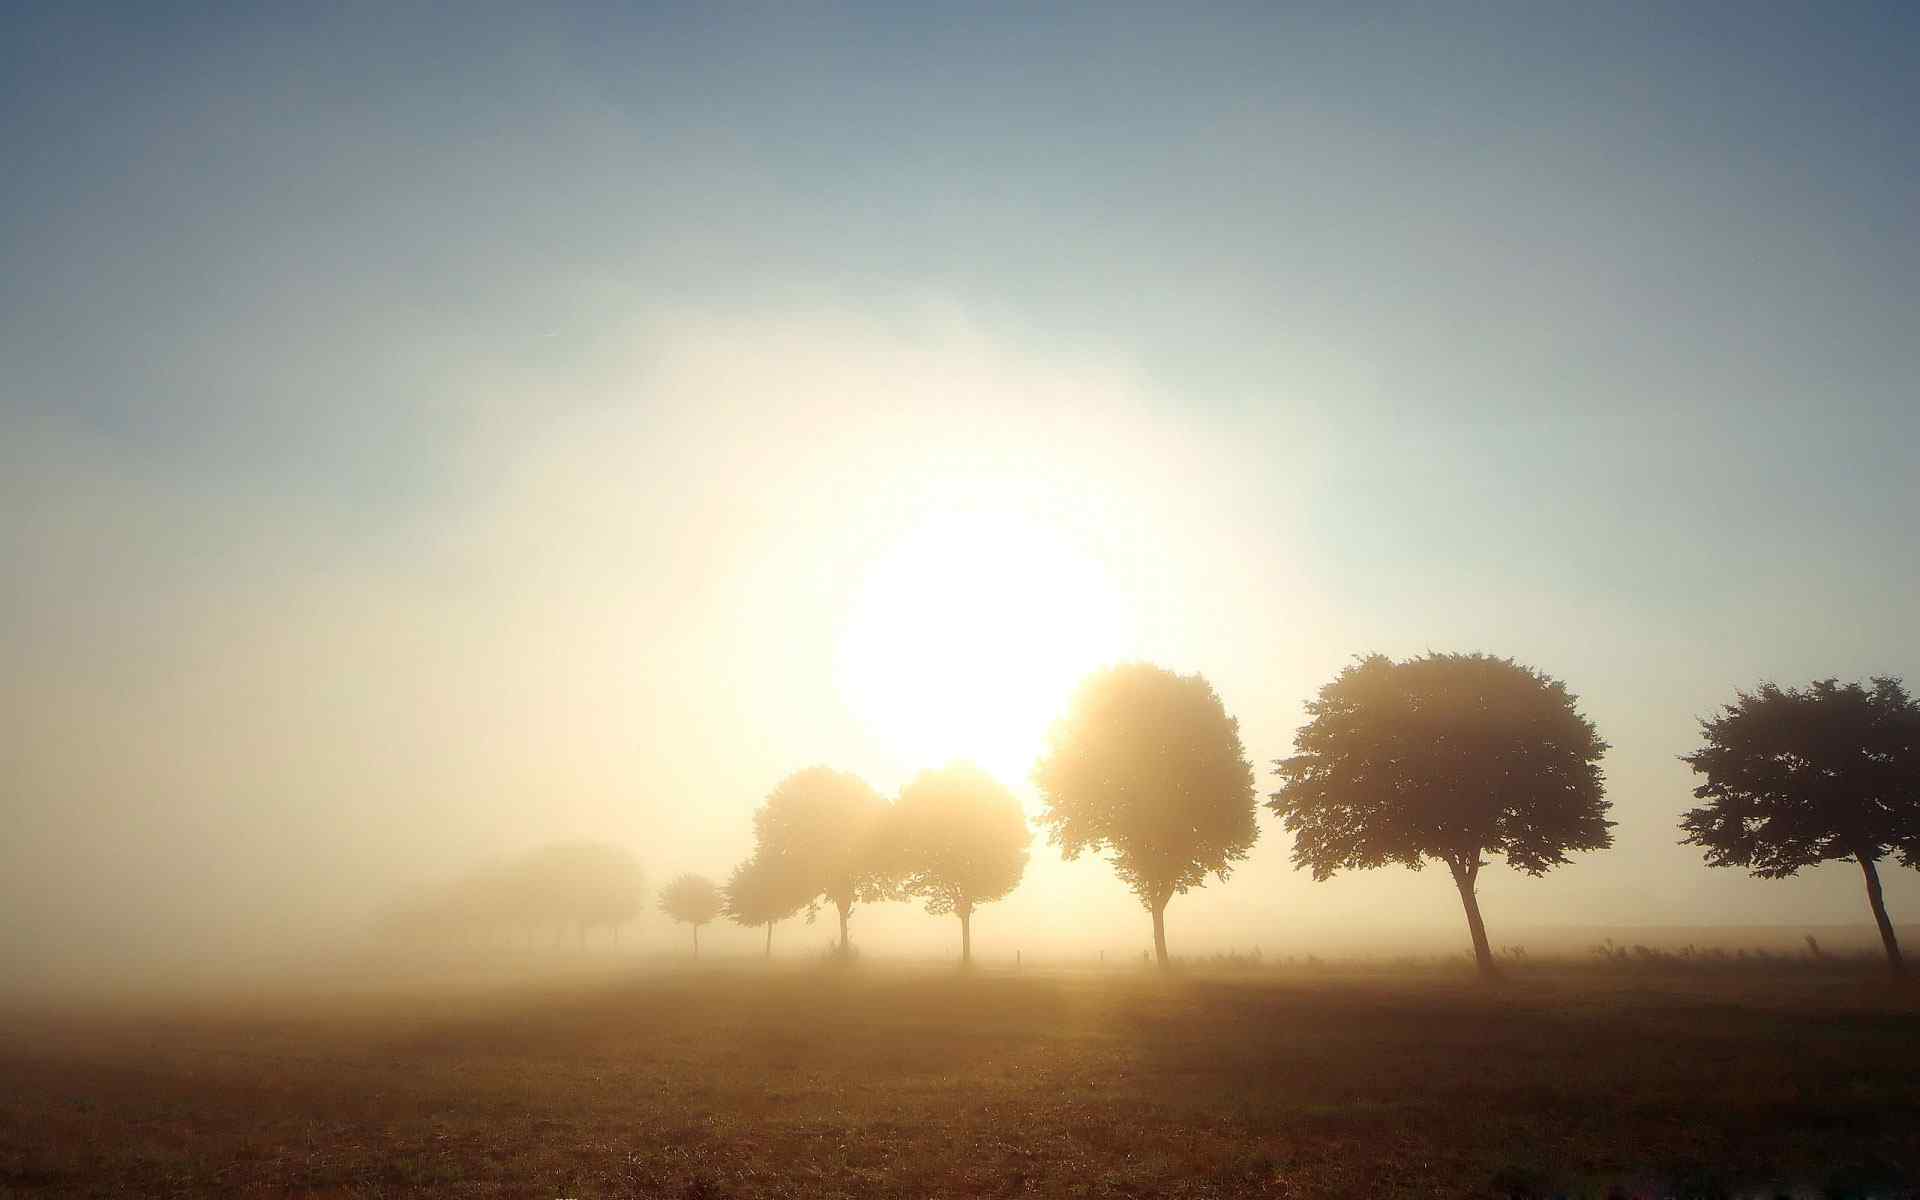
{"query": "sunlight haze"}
{"type": "Point", "coordinates": [423, 439]}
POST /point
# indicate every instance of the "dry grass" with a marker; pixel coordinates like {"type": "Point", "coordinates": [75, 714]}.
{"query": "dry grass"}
{"type": "Point", "coordinates": [807, 1082]}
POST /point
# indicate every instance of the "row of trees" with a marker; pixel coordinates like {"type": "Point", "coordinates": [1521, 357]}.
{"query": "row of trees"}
{"type": "Point", "coordinates": [1452, 758]}
{"type": "Point", "coordinates": [1449, 758]}
{"type": "Point", "coordinates": [955, 839]}
{"type": "Point", "coordinates": [1455, 757]}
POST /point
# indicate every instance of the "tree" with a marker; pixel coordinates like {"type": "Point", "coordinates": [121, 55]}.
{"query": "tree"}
{"type": "Point", "coordinates": [1147, 764]}
{"type": "Point", "coordinates": [819, 832]}
{"type": "Point", "coordinates": [580, 884]}
{"type": "Point", "coordinates": [958, 839]}
{"type": "Point", "coordinates": [1797, 777]}
{"type": "Point", "coordinates": [691, 900]}
{"type": "Point", "coordinates": [1447, 756]}
{"type": "Point", "coordinates": [754, 897]}
{"type": "Point", "coordinates": [577, 885]}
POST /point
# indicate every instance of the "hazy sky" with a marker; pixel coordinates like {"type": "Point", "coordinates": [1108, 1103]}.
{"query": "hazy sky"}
{"type": "Point", "coordinates": [427, 431]}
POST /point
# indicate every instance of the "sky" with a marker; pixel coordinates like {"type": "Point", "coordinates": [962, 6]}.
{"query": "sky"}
{"type": "Point", "coordinates": [427, 432]}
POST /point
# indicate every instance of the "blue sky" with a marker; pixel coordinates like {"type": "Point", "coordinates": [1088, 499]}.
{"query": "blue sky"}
{"type": "Point", "coordinates": [1585, 333]}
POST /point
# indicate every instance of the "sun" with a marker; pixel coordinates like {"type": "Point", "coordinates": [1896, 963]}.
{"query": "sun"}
{"type": "Point", "coordinates": [966, 637]}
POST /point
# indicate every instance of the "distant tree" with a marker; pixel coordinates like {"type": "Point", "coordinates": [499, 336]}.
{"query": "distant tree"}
{"type": "Point", "coordinates": [1447, 756]}
{"type": "Point", "coordinates": [755, 896]}
{"type": "Point", "coordinates": [958, 839]}
{"type": "Point", "coordinates": [819, 832]}
{"type": "Point", "coordinates": [580, 885]}
{"type": "Point", "coordinates": [1147, 764]}
{"type": "Point", "coordinates": [556, 887]}
{"type": "Point", "coordinates": [691, 900]}
{"type": "Point", "coordinates": [1800, 776]}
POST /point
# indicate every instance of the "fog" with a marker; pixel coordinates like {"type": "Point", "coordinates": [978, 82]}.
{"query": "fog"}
{"type": "Point", "coordinates": [390, 486]}
{"type": "Point", "coordinates": [235, 733]}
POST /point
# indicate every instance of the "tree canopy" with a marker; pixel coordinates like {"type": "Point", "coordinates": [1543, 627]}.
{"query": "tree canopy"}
{"type": "Point", "coordinates": [958, 839]}
{"type": "Point", "coordinates": [820, 832]}
{"type": "Point", "coordinates": [1801, 776]}
{"type": "Point", "coordinates": [691, 900]}
{"type": "Point", "coordinates": [1446, 756]}
{"type": "Point", "coordinates": [755, 896]}
{"type": "Point", "coordinates": [1147, 765]}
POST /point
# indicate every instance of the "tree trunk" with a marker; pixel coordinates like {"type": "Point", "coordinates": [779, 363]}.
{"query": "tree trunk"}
{"type": "Point", "coordinates": [696, 943]}
{"type": "Point", "coordinates": [769, 939]}
{"type": "Point", "coordinates": [966, 937]}
{"type": "Point", "coordinates": [846, 911]}
{"type": "Point", "coordinates": [1894, 962]}
{"type": "Point", "coordinates": [1464, 878]}
{"type": "Point", "coordinates": [1160, 933]}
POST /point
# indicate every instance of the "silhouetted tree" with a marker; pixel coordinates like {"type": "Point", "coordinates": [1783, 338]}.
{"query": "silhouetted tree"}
{"type": "Point", "coordinates": [1148, 765]}
{"type": "Point", "coordinates": [754, 896]}
{"type": "Point", "coordinates": [959, 839]}
{"type": "Point", "coordinates": [1447, 756]}
{"type": "Point", "coordinates": [819, 832]}
{"type": "Point", "coordinates": [1799, 776]}
{"type": "Point", "coordinates": [691, 900]}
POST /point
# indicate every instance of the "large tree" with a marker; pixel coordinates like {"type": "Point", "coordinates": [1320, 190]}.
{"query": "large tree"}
{"type": "Point", "coordinates": [820, 831]}
{"type": "Point", "coordinates": [756, 896]}
{"type": "Point", "coordinates": [958, 839]}
{"type": "Point", "coordinates": [1147, 765]}
{"type": "Point", "coordinates": [691, 900]}
{"type": "Point", "coordinates": [1800, 776]}
{"type": "Point", "coordinates": [1450, 757]}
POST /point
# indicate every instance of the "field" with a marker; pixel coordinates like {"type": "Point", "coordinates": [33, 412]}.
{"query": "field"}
{"type": "Point", "coordinates": [805, 1081]}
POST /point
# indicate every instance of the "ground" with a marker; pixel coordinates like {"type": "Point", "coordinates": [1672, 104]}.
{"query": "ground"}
{"type": "Point", "coordinates": [811, 1081]}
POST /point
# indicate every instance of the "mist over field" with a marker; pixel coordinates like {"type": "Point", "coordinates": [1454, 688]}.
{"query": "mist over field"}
{"type": "Point", "coordinates": [618, 609]}
{"type": "Point", "coordinates": [713, 600]}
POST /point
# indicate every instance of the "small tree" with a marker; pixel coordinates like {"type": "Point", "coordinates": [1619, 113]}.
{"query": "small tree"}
{"type": "Point", "coordinates": [1796, 777]}
{"type": "Point", "coordinates": [1148, 765]}
{"type": "Point", "coordinates": [820, 834]}
{"type": "Point", "coordinates": [583, 885]}
{"type": "Point", "coordinates": [754, 897]}
{"type": "Point", "coordinates": [691, 900]}
{"type": "Point", "coordinates": [1449, 756]}
{"type": "Point", "coordinates": [959, 840]}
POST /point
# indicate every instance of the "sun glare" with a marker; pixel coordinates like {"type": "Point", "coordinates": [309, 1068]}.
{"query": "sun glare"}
{"type": "Point", "coordinates": [966, 637]}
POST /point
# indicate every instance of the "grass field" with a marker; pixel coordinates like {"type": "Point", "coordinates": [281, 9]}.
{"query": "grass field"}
{"type": "Point", "coordinates": [808, 1081]}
